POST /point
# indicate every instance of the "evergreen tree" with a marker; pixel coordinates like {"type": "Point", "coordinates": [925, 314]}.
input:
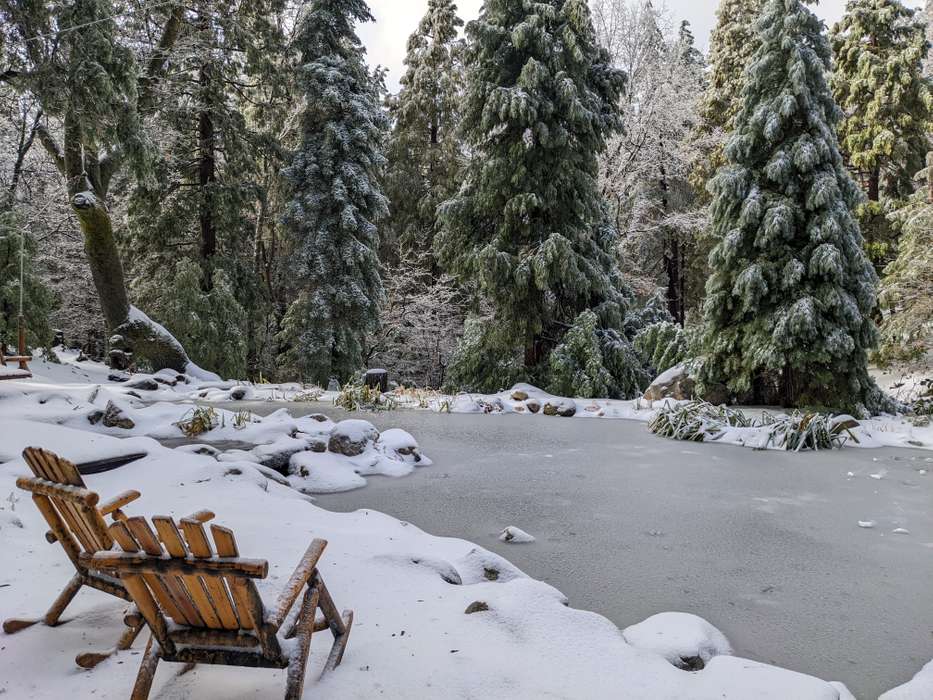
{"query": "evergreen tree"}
{"type": "Point", "coordinates": [907, 289]}
{"type": "Point", "coordinates": [791, 290]}
{"type": "Point", "coordinates": [331, 218]}
{"type": "Point", "coordinates": [878, 48]}
{"type": "Point", "coordinates": [732, 44]}
{"type": "Point", "coordinates": [18, 248]}
{"type": "Point", "coordinates": [424, 153]}
{"type": "Point", "coordinates": [528, 227]}
{"type": "Point", "coordinates": [200, 206]}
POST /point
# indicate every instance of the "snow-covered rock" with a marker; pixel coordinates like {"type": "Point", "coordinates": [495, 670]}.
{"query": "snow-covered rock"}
{"type": "Point", "coordinates": [352, 437]}
{"type": "Point", "coordinates": [402, 444]}
{"type": "Point", "coordinates": [514, 535]}
{"type": "Point", "coordinates": [674, 383]}
{"type": "Point", "coordinates": [687, 641]}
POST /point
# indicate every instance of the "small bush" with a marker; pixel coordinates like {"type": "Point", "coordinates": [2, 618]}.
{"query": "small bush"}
{"type": "Point", "coordinates": [359, 397]}
{"type": "Point", "coordinates": [198, 421]}
{"type": "Point", "coordinates": [698, 421]}
{"type": "Point", "coordinates": [661, 346]}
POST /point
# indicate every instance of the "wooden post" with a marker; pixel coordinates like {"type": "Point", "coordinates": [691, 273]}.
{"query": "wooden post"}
{"type": "Point", "coordinates": [22, 343]}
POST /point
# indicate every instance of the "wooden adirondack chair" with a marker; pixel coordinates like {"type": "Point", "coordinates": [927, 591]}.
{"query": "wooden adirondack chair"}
{"type": "Point", "coordinates": [209, 594]}
{"type": "Point", "coordinates": [77, 523]}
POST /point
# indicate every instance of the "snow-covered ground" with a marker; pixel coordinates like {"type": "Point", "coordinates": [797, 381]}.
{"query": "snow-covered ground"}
{"type": "Point", "coordinates": [412, 637]}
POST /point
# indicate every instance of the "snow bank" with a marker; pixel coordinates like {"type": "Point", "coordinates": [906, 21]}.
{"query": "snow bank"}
{"type": "Point", "coordinates": [920, 687]}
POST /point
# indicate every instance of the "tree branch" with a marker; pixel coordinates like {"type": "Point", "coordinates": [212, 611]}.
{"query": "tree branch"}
{"type": "Point", "coordinates": [52, 148]}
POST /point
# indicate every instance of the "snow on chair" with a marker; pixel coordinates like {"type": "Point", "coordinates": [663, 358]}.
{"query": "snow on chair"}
{"type": "Point", "coordinates": [76, 521]}
{"type": "Point", "coordinates": [202, 605]}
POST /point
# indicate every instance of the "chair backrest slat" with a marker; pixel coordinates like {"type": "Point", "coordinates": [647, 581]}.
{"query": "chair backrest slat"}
{"type": "Point", "coordinates": [175, 547]}
{"type": "Point", "coordinates": [200, 591]}
{"type": "Point", "coordinates": [225, 544]}
{"type": "Point", "coordinates": [170, 596]}
{"type": "Point", "coordinates": [214, 586]}
{"type": "Point", "coordinates": [84, 522]}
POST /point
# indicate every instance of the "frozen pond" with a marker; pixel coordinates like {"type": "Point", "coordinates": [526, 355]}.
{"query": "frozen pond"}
{"type": "Point", "coordinates": [765, 545]}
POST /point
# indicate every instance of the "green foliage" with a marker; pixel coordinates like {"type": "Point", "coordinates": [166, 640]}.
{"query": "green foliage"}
{"type": "Point", "coordinates": [732, 45]}
{"type": "Point", "coordinates": [661, 346]}
{"type": "Point", "coordinates": [878, 51]}
{"type": "Point", "coordinates": [576, 365]}
{"type": "Point", "coordinates": [211, 325]}
{"type": "Point", "coordinates": [695, 421]}
{"type": "Point", "coordinates": [907, 288]}
{"type": "Point", "coordinates": [699, 421]}
{"type": "Point", "coordinates": [424, 151]}
{"type": "Point", "coordinates": [527, 227]}
{"type": "Point", "coordinates": [790, 289]}
{"type": "Point", "coordinates": [198, 421]}
{"type": "Point", "coordinates": [594, 363]}
{"type": "Point", "coordinates": [481, 363]}
{"type": "Point", "coordinates": [357, 396]}
{"type": "Point", "coordinates": [628, 375]}
{"type": "Point", "coordinates": [336, 199]}
{"type": "Point", "coordinates": [38, 300]}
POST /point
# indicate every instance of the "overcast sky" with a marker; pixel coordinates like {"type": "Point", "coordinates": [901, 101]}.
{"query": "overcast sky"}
{"type": "Point", "coordinates": [397, 19]}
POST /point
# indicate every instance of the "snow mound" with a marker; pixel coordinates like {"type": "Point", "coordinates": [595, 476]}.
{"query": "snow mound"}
{"type": "Point", "coordinates": [326, 472]}
{"type": "Point", "coordinates": [687, 641]}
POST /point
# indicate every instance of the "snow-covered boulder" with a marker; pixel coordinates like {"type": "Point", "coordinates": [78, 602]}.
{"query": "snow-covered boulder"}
{"type": "Point", "coordinates": [675, 383]}
{"type": "Point", "coordinates": [685, 640]}
{"type": "Point", "coordinates": [352, 437]}
{"type": "Point", "coordinates": [401, 444]}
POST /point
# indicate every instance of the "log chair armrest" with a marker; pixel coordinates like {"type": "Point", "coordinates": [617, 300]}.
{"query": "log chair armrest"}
{"type": "Point", "coordinates": [117, 502]}
{"type": "Point", "coordinates": [305, 569]}
{"type": "Point", "coordinates": [202, 516]}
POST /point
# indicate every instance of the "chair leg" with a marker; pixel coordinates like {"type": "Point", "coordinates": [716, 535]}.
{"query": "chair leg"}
{"type": "Point", "coordinates": [304, 628]}
{"type": "Point", "coordinates": [340, 643]}
{"type": "Point", "coordinates": [147, 671]}
{"type": "Point", "coordinates": [64, 598]}
{"type": "Point", "coordinates": [90, 659]}
{"type": "Point", "coordinates": [13, 625]}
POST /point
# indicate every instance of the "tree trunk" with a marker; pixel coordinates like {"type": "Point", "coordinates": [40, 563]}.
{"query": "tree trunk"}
{"type": "Point", "coordinates": [207, 175]}
{"type": "Point", "coordinates": [874, 185]}
{"type": "Point", "coordinates": [790, 387]}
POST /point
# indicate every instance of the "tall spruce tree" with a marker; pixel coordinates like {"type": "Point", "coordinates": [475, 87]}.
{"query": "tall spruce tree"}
{"type": "Point", "coordinates": [528, 226]}
{"type": "Point", "coordinates": [424, 154]}
{"type": "Point", "coordinates": [732, 44]}
{"type": "Point", "coordinates": [199, 209]}
{"type": "Point", "coordinates": [331, 218]}
{"type": "Point", "coordinates": [791, 290]}
{"type": "Point", "coordinates": [878, 49]}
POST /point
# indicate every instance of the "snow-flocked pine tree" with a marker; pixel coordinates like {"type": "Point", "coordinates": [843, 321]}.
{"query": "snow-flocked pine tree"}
{"type": "Point", "coordinates": [791, 289]}
{"type": "Point", "coordinates": [337, 200]}
{"type": "Point", "coordinates": [424, 153]}
{"type": "Point", "coordinates": [528, 226]}
{"type": "Point", "coordinates": [878, 49]}
{"type": "Point", "coordinates": [731, 46]}
{"type": "Point", "coordinates": [200, 205]}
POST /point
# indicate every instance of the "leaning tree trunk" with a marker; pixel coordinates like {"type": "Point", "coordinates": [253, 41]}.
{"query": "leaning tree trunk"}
{"type": "Point", "coordinates": [149, 342]}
